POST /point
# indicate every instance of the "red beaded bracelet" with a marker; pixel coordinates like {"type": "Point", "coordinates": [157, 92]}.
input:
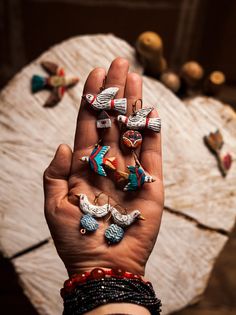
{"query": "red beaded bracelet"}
{"type": "Point", "coordinates": [96, 273]}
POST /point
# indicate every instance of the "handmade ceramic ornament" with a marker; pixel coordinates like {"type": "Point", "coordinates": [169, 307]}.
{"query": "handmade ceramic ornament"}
{"type": "Point", "coordinates": [132, 139]}
{"type": "Point", "coordinates": [57, 82]}
{"type": "Point", "coordinates": [115, 232]}
{"type": "Point", "coordinates": [94, 210]}
{"type": "Point", "coordinates": [88, 221]}
{"type": "Point", "coordinates": [88, 224]}
{"type": "Point", "coordinates": [103, 120]}
{"type": "Point", "coordinates": [105, 100]}
{"type": "Point", "coordinates": [97, 160]}
{"type": "Point", "coordinates": [139, 120]}
{"type": "Point", "coordinates": [214, 141]}
{"type": "Point", "coordinates": [136, 177]}
{"type": "Point", "coordinates": [125, 220]}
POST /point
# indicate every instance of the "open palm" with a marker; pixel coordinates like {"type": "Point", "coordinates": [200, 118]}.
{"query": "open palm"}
{"type": "Point", "coordinates": [67, 176]}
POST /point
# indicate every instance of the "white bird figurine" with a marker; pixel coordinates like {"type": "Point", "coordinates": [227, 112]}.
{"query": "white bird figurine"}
{"type": "Point", "coordinates": [124, 220]}
{"type": "Point", "coordinates": [139, 120]}
{"type": "Point", "coordinates": [88, 208]}
{"type": "Point", "coordinates": [105, 100]}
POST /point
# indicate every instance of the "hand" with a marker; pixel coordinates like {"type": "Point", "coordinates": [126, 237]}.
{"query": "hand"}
{"type": "Point", "coordinates": [67, 176]}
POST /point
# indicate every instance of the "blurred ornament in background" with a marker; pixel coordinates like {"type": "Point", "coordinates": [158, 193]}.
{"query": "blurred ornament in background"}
{"type": "Point", "coordinates": [214, 82]}
{"type": "Point", "coordinates": [214, 141]}
{"type": "Point", "coordinates": [191, 74]}
{"type": "Point", "coordinates": [56, 81]}
{"type": "Point", "coordinates": [171, 80]}
{"type": "Point", "coordinates": [149, 48]}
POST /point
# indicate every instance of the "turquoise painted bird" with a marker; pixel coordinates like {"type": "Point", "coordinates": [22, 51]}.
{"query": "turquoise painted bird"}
{"type": "Point", "coordinates": [97, 160]}
{"type": "Point", "coordinates": [136, 177]}
{"type": "Point", "coordinates": [57, 82]}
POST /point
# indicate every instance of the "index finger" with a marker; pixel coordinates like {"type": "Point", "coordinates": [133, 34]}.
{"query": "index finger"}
{"type": "Point", "coordinates": [86, 131]}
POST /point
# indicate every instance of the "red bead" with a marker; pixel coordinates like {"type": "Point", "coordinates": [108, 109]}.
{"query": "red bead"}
{"type": "Point", "coordinates": [137, 277]}
{"type": "Point", "coordinates": [117, 272]}
{"type": "Point", "coordinates": [128, 275]}
{"type": "Point", "coordinates": [108, 272]}
{"type": "Point", "coordinates": [97, 273]}
{"type": "Point", "coordinates": [68, 284]}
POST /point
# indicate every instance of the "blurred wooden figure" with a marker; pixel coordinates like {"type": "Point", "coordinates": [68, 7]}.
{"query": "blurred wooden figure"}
{"type": "Point", "coordinates": [149, 48]}
{"type": "Point", "coordinates": [214, 83]}
{"type": "Point", "coordinates": [214, 141]}
{"type": "Point", "coordinates": [171, 80]}
{"type": "Point", "coordinates": [191, 74]}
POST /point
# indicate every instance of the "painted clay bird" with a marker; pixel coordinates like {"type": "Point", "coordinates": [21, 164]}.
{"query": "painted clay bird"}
{"type": "Point", "coordinates": [105, 100]}
{"type": "Point", "coordinates": [57, 82]}
{"type": "Point", "coordinates": [88, 208]}
{"type": "Point", "coordinates": [139, 120]}
{"type": "Point", "coordinates": [96, 160]}
{"type": "Point", "coordinates": [124, 220]}
{"type": "Point", "coordinates": [136, 177]}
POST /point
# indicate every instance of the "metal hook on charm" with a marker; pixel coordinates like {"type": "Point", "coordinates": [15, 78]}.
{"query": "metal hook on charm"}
{"type": "Point", "coordinates": [97, 197]}
{"type": "Point", "coordinates": [134, 106]}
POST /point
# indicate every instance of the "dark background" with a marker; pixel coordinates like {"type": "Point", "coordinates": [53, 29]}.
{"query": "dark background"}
{"type": "Point", "coordinates": [203, 30]}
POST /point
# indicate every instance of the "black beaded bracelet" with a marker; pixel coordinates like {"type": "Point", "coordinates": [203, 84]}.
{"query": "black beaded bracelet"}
{"type": "Point", "coordinates": [93, 293]}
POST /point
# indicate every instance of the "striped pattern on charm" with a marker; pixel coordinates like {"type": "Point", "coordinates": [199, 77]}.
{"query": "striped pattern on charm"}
{"type": "Point", "coordinates": [94, 210]}
{"type": "Point", "coordinates": [97, 160]}
{"type": "Point", "coordinates": [139, 120]}
{"type": "Point", "coordinates": [105, 100]}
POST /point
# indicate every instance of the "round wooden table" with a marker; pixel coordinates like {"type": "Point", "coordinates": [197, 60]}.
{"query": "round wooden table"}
{"type": "Point", "coordinates": [200, 205]}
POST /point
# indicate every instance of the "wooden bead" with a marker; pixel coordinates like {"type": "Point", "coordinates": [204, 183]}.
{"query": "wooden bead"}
{"type": "Point", "coordinates": [149, 48]}
{"type": "Point", "coordinates": [192, 72]}
{"type": "Point", "coordinates": [214, 82]}
{"type": "Point", "coordinates": [132, 139]}
{"type": "Point", "coordinates": [171, 80]}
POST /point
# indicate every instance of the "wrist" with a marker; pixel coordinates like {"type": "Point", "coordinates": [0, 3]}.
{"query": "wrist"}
{"type": "Point", "coordinates": [96, 274]}
{"type": "Point", "coordinates": [109, 288]}
{"type": "Point", "coordinates": [119, 308]}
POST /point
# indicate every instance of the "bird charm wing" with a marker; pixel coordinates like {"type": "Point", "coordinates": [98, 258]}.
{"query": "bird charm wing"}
{"type": "Point", "coordinates": [144, 112]}
{"type": "Point", "coordinates": [97, 155]}
{"type": "Point", "coordinates": [50, 67]}
{"type": "Point", "coordinates": [54, 97]}
{"type": "Point", "coordinates": [107, 95]}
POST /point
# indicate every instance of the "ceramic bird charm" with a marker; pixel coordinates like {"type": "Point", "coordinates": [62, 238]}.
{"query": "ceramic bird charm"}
{"type": "Point", "coordinates": [136, 177]}
{"type": "Point", "coordinates": [57, 82]}
{"type": "Point", "coordinates": [124, 220]}
{"type": "Point", "coordinates": [97, 160]}
{"type": "Point", "coordinates": [139, 120]}
{"type": "Point", "coordinates": [105, 100]}
{"type": "Point", "coordinates": [94, 210]}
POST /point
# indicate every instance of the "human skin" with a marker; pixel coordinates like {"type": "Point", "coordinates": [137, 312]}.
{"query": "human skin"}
{"type": "Point", "coordinates": [67, 176]}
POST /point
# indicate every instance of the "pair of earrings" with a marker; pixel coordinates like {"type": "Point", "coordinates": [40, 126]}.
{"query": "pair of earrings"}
{"type": "Point", "coordinates": [115, 232]}
{"type": "Point", "coordinates": [132, 138]}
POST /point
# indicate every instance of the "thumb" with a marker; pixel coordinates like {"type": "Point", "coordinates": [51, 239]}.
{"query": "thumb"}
{"type": "Point", "coordinates": [56, 176]}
